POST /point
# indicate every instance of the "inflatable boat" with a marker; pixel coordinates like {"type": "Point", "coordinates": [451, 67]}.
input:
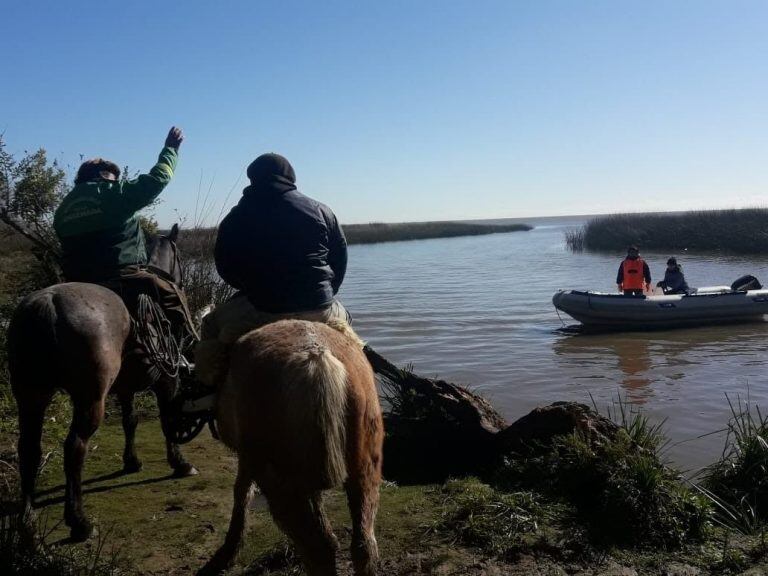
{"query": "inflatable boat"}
{"type": "Point", "coordinates": [712, 305]}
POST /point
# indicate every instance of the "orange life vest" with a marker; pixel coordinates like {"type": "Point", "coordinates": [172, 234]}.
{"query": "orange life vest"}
{"type": "Point", "coordinates": [632, 277]}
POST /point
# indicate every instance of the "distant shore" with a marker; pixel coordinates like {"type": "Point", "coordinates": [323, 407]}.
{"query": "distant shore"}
{"type": "Point", "coordinates": [376, 232]}
{"type": "Point", "coordinates": [379, 232]}
{"type": "Point", "coordinates": [742, 231]}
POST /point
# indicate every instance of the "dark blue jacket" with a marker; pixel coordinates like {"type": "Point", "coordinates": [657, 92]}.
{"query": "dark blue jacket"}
{"type": "Point", "coordinates": [285, 250]}
{"type": "Point", "coordinates": [674, 282]}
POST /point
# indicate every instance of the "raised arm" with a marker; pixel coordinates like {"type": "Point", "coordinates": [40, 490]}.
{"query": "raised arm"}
{"type": "Point", "coordinates": [139, 193]}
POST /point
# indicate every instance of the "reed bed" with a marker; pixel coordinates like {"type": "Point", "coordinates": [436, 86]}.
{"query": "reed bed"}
{"type": "Point", "coordinates": [202, 284]}
{"type": "Point", "coordinates": [380, 232]}
{"type": "Point", "coordinates": [742, 231]}
{"type": "Point", "coordinates": [738, 482]}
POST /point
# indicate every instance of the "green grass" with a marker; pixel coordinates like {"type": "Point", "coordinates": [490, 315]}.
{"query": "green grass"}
{"type": "Point", "coordinates": [21, 556]}
{"type": "Point", "coordinates": [738, 482]}
{"type": "Point", "coordinates": [743, 231]}
{"type": "Point", "coordinates": [475, 514]}
{"type": "Point", "coordinates": [151, 522]}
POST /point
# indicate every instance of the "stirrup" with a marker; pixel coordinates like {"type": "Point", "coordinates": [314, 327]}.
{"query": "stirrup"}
{"type": "Point", "coordinates": [189, 414]}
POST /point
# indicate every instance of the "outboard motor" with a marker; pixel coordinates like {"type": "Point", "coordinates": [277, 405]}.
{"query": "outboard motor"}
{"type": "Point", "coordinates": [745, 283]}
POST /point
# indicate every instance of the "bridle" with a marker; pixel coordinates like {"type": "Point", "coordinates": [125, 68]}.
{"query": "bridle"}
{"type": "Point", "coordinates": [170, 275]}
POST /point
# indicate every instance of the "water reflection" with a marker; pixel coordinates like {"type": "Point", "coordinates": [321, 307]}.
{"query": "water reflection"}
{"type": "Point", "coordinates": [641, 362]}
{"type": "Point", "coordinates": [601, 355]}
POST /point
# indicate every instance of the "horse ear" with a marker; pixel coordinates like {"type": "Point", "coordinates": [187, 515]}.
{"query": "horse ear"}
{"type": "Point", "coordinates": [174, 233]}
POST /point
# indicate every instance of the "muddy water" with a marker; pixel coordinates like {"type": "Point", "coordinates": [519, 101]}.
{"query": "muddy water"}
{"type": "Point", "coordinates": [478, 311]}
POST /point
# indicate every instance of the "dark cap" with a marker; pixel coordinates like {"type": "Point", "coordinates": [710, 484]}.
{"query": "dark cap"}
{"type": "Point", "coordinates": [271, 167]}
{"type": "Point", "coordinates": [672, 261]}
{"type": "Point", "coordinates": [632, 248]}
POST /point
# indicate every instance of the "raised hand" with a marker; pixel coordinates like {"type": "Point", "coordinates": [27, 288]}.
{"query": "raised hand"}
{"type": "Point", "coordinates": [175, 138]}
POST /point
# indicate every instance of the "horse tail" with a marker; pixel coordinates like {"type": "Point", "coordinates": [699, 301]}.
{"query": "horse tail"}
{"type": "Point", "coordinates": [322, 423]}
{"type": "Point", "coordinates": [32, 331]}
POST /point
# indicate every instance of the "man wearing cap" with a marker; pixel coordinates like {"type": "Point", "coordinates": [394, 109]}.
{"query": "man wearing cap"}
{"type": "Point", "coordinates": [633, 274]}
{"type": "Point", "coordinates": [286, 255]}
{"type": "Point", "coordinates": [102, 242]}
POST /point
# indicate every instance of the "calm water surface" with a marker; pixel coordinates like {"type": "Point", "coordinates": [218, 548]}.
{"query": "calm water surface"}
{"type": "Point", "coordinates": [478, 311]}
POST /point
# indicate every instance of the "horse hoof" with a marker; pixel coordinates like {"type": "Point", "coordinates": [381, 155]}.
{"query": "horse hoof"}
{"type": "Point", "coordinates": [210, 569]}
{"type": "Point", "coordinates": [216, 565]}
{"type": "Point", "coordinates": [185, 470]}
{"type": "Point", "coordinates": [81, 532]}
{"type": "Point", "coordinates": [132, 466]}
{"type": "Point", "coordinates": [27, 530]}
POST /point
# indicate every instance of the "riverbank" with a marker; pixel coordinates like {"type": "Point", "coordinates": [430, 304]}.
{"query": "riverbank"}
{"type": "Point", "coordinates": [742, 231]}
{"type": "Point", "coordinates": [150, 523]}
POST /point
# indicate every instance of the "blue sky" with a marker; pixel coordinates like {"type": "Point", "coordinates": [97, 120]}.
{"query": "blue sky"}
{"type": "Point", "coordinates": [403, 111]}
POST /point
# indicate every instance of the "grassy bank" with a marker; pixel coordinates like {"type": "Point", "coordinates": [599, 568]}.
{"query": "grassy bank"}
{"type": "Point", "coordinates": [742, 231]}
{"type": "Point", "coordinates": [380, 232]}
{"type": "Point", "coordinates": [515, 523]}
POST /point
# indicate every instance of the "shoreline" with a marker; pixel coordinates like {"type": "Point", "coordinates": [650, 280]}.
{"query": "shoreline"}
{"type": "Point", "coordinates": [379, 232]}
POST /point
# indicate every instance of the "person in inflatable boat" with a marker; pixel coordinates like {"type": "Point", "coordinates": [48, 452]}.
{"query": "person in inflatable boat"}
{"type": "Point", "coordinates": [674, 280]}
{"type": "Point", "coordinates": [633, 274]}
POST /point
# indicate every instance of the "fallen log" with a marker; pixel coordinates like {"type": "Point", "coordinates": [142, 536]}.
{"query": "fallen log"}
{"type": "Point", "coordinates": [435, 429]}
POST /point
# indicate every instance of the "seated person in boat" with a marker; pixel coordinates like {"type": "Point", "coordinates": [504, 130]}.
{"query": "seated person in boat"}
{"type": "Point", "coordinates": [101, 238]}
{"type": "Point", "coordinates": [674, 280]}
{"type": "Point", "coordinates": [286, 255]}
{"type": "Point", "coordinates": [633, 274]}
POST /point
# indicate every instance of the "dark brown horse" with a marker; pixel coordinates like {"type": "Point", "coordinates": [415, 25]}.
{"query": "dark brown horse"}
{"type": "Point", "coordinates": [77, 337]}
{"type": "Point", "coordinates": [300, 408]}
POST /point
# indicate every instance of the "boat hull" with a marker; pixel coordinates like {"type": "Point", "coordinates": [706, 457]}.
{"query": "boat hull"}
{"type": "Point", "coordinates": [617, 311]}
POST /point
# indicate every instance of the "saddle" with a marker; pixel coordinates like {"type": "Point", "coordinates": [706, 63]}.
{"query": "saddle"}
{"type": "Point", "coordinates": [165, 337]}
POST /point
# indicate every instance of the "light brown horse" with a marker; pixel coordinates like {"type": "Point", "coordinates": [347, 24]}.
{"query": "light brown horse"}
{"type": "Point", "coordinates": [76, 337]}
{"type": "Point", "coordinates": [300, 408]}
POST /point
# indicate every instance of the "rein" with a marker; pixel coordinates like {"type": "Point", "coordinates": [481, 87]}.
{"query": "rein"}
{"type": "Point", "coordinates": [161, 273]}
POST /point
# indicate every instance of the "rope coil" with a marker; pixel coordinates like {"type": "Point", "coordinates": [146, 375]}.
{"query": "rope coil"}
{"type": "Point", "coordinates": [154, 333]}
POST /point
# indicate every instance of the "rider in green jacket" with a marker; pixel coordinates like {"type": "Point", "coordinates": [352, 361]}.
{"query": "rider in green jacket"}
{"type": "Point", "coordinates": [97, 222]}
{"type": "Point", "coordinates": [102, 242]}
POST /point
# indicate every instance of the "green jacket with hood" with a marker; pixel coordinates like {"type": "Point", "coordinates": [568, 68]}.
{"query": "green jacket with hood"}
{"type": "Point", "coordinates": [98, 225]}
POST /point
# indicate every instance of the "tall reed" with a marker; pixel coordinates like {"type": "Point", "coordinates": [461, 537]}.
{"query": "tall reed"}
{"type": "Point", "coordinates": [743, 231]}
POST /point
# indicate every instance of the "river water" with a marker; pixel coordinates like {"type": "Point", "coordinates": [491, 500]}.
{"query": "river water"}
{"type": "Point", "coordinates": [478, 311]}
